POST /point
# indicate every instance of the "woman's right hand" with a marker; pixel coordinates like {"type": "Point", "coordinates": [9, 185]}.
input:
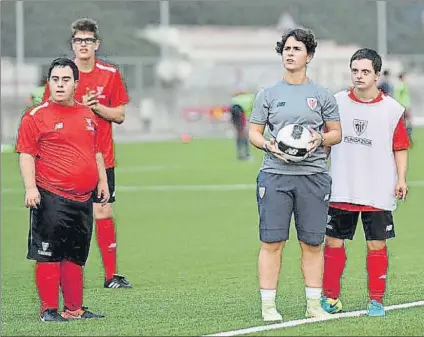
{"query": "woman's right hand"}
{"type": "Point", "coordinates": [271, 146]}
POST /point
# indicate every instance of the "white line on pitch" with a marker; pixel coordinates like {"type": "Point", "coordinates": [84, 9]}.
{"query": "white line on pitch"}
{"type": "Point", "coordinates": [168, 188]}
{"type": "Point", "coordinates": [125, 169]}
{"type": "Point", "coordinates": [147, 168]}
{"type": "Point", "coordinates": [311, 320]}
{"type": "Point", "coordinates": [233, 187]}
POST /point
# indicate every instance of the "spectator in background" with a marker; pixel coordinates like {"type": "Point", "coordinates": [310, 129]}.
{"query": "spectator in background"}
{"type": "Point", "coordinates": [36, 96]}
{"type": "Point", "coordinates": [147, 106]}
{"type": "Point", "coordinates": [241, 107]}
{"type": "Point", "coordinates": [385, 85]}
{"type": "Point", "coordinates": [401, 94]}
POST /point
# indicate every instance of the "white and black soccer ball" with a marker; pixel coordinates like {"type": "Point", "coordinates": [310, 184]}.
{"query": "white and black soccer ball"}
{"type": "Point", "coordinates": [293, 140]}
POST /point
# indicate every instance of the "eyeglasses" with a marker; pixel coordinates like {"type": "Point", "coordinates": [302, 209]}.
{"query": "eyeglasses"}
{"type": "Point", "coordinates": [87, 40]}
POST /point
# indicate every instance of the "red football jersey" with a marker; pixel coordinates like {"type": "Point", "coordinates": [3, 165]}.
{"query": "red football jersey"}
{"type": "Point", "coordinates": [64, 142]}
{"type": "Point", "coordinates": [400, 142]}
{"type": "Point", "coordinates": [107, 81]}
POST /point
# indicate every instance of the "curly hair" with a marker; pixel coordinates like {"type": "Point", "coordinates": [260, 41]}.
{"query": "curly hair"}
{"type": "Point", "coordinates": [305, 36]}
{"type": "Point", "coordinates": [85, 25]}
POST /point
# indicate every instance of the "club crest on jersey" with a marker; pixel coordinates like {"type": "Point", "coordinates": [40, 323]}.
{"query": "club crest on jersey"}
{"type": "Point", "coordinates": [90, 125]}
{"type": "Point", "coordinates": [312, 102]}
{"type": "Point", "coordinates": [359, 125]}
{"type": "Point", "coordinates": [100, 92]}
{"type": "Point", "coordinates": [261, 192]}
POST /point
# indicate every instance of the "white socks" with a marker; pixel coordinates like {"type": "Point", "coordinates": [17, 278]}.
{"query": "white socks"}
{"type": "Point", "coordinates": [268, 294]}
{"type": "Point", "coordinates": [313, 293]}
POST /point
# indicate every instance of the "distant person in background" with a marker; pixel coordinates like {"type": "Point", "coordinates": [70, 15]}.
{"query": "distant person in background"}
{"type": "Point", "coordinates": [36, 96]}
{"type": "Point", "coordinates": [385, 85]}
{"type": "Point", "coordinates": [241, 107]}
{"type": "Point", "coordinates": [147, 106]}
{"type": "Point", "coordinates": [401, 94]}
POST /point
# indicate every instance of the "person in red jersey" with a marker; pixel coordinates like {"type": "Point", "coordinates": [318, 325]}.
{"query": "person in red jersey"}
{"type": "Point", "coordinates": [368, 169]}
{"type": "Point", "coordinates": [61, 165]}
{"type": "Point", "coordinates": [103, 90]}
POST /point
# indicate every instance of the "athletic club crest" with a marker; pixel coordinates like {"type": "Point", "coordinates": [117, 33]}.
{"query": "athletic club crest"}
{"type": "Point", "coordinates": [90, 125]}
{"type": "Point", "coordinates": [359, 125]}
{"type": "Point", "coordinates": [312, 102]}
{"type": "Point", "coordinates": [261, 192]}
{"type": "Point", "coordinates": [100, 92]}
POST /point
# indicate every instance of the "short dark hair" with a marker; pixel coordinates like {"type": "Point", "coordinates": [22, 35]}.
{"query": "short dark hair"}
{"type": "Point", "coordinates": [85, 25]}
{"type": "Point", "coordinates": [63, 62]}
{"type": "Point", "coordinates": [368, 54]}
{"type": "Point", "coordinates": [305, 36]}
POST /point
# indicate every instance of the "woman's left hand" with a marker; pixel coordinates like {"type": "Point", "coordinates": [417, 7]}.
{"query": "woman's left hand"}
{"type": "Point", "coordinates": [316, 140]}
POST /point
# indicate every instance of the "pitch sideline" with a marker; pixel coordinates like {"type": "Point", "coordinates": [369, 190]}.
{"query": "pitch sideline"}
{"type": "Point", "coordinates": [310, 320]}
{"type": "Point", "coordinates": [181, 188]}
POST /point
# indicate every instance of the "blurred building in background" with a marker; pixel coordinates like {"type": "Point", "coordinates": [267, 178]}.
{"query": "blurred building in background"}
{"type": "Point", "coordinates": [183, 61]}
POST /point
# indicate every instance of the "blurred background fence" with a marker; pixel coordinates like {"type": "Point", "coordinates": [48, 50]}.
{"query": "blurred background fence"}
{"type": "Point", "coordinates": [182, 60]}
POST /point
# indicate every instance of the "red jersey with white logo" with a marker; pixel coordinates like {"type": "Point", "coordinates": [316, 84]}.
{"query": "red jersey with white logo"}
{"type": "Point", "coordinates": [106, 80]}
{"type": "Point", "coordinates": [64, 143]}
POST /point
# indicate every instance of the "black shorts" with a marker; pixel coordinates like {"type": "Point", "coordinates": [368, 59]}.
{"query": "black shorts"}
{"type": "Point", "coordinates": [60, 229]}
{"type": "Point", "coordinates": [377, 225]}
{"type": "Point", "coordinates": [110, 173]}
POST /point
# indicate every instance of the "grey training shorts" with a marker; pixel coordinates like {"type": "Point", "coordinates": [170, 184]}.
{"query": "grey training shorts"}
{"type": "Point", "coordinates": [306, 196]}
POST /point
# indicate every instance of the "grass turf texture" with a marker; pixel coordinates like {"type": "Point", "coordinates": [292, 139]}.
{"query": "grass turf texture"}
{"type": "Point", "coordinates": [191, 253]}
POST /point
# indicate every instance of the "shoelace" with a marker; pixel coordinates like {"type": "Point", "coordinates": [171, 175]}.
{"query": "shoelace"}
{"type": "Point", "coordinates": [122, 279]}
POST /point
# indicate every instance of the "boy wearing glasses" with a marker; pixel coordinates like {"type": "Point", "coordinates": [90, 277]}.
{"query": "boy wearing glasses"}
{"type": "Point", "coordinates": [102, 89]}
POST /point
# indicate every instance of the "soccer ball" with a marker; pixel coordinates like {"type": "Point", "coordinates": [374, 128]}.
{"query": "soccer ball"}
{"type": "Point", "coordinates": [293, 140]}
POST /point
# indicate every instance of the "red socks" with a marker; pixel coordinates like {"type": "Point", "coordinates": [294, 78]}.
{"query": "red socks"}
{"type": "Point", "coordinates": [50, 275]}
{"type": "Point", "coordinates": [334, 264]}
{"type": "Point", "coordinates": [47, 279]}
{"type": "Point", "coordinates": [71, 280]}
{"type": "Point", "coordinates": [377, 263]}
{"type": "Point", "coordinates": [106, 239]}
